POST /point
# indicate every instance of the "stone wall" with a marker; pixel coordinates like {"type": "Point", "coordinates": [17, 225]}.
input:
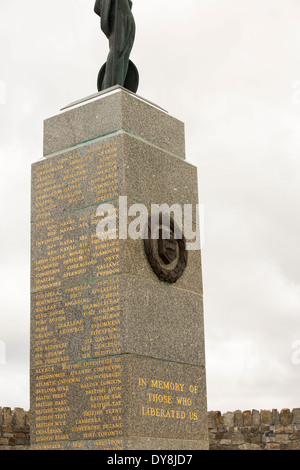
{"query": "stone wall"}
{"type": "Point", "coordinates": [247, 430]}
{"type": "Point", "coordinates": [14, 429]}
{"type": "Point", "coordinates": [255, 430]}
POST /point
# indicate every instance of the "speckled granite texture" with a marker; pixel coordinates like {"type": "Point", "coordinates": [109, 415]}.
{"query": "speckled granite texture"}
{"type": "Point", "coordinates": [117, 356]}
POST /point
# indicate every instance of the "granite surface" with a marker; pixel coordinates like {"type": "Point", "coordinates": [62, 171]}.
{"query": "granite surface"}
{"type": "Point", "coordinates": [117, 356]}
{"type": "Point", "coordinates": [67, 250]}
{"type": "Point", "coordinates": [67, 191]}
{"type": "Point", "coordinates": [120, 314]}
{"type": "Point", "coordinates": [124, 396]}
{"type": "Point", "coordinates": [108, 114]}
{"type": "Point", "coordinates": [154, 176]}
{"type": "Point", "coordinates": [126, 444]}
{"type": "Point", "coordinates": [108, 167]}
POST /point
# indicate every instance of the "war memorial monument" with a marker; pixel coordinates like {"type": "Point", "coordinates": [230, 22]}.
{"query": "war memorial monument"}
{"type": "Point", "coordinates": [117, 335]}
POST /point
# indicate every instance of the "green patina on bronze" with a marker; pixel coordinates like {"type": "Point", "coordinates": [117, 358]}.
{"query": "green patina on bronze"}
{"type": "Point", "coordinates": [117, 23]}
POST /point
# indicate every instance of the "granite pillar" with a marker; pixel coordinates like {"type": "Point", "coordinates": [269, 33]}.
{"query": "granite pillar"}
{"type": "Point", "coordinates": [117, 353]}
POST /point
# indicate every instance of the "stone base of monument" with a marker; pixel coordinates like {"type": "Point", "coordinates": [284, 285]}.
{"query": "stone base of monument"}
{"type": "Point", "coordinates": [117, 342]}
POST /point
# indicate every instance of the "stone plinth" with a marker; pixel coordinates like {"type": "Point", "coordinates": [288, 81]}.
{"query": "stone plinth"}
{"type": "Point", "coordinates": [117, 355]}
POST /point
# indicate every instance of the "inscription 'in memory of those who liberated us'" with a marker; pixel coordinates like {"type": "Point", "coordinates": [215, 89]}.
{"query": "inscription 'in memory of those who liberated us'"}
{"type": "Point", "coordinates": [178, 404]}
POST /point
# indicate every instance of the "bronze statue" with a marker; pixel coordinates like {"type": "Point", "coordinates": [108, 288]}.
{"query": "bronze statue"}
{"type": "Point", "coordinates": [118, 25]}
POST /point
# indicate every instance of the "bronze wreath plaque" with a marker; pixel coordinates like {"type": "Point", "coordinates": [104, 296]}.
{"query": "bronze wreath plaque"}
{"type": "Point", "coordinates": [168, 249]}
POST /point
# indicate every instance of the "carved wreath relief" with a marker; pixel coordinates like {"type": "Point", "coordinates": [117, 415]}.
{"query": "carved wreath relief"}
{"type": "Point", "coordinates": [167, 256]}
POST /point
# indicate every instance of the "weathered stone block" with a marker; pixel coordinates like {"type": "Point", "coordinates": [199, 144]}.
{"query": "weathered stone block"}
{"type": "Point", "coordinates": [211, 418]}
{"type": "Point", "coordinates": [256, 419]}
{"type": "Point", "coordinates": [238, 418]}
{"type": "Point", "coordinates": [285, 416]}
{"type": "Point", "coordinates": [292, 446]}
{"type": "Point", "coordinates": [19, 416]}
{"type": "Point", "coordinates": [272, 446]}
{"type": "Point", "coordinates": [6, 428]}
{"type": "Point", "coordinates": [289, 428]}
{"type": "Point", "coordinates": [265, 416]}
{"type": "Point", "coordinates": [219, 418]}
{"type": "Point", "coordinates": [4, 441]}
{"type": "Point", "coordinates": [255, 447]}
{"type": "Point", "coordinates": [275, 417]}
{"type": "Point", "coordinates": [7, 416]}
{"type": "Point", "coordinates": [228, 419]}
{"type": "Point", "coordinates": [267, 439]}
{"type": "Point", "coordinates": [244, 447]}
{"type": "Point", "coordinates": [225, 442]}
{"type": "Point", "coordinates": [237, 439]}
{"type": "Point", "coordinates": [247, 418]}
{"type": "Point", "coordinates": [296, 416]}
{"type": "Point", "coordinates": [282, 438]}
{"type": "Point", "coordinates": [278, 428]}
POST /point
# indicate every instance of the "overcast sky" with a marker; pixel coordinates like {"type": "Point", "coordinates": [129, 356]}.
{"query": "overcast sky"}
{"type": "Point", "coordinates": [230, 69]}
